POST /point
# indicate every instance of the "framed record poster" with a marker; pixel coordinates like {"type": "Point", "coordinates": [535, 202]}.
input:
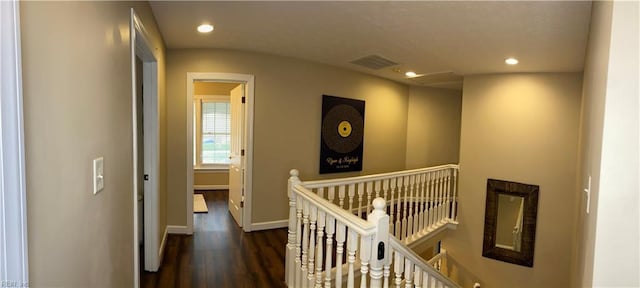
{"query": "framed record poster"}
{"type": "Point", "coordinates": [342, 135]}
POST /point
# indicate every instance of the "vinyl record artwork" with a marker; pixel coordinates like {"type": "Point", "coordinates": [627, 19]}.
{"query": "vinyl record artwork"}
{"type": "Point", "coordinates": [342, 135]}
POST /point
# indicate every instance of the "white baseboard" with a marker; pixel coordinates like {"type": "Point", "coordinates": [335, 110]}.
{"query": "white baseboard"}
{"type": "Point", "coordinates": [210, 187]}
{"type": "Point", "coordinates": [164, 240]}
{"type": "Point", "coordinates": [269, 225]}
{"type": "Point", "coordinates": [175, 229]}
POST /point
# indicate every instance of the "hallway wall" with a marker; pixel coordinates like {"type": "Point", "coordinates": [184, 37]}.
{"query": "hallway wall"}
{"type": "Point", "coordinates": [433, 127]}
{"type": "Point", "coordinates": [521, 128]}
{"type": "Point", "coordinates": [77, 107]}
{"type": "Point", "coordinates": [288, 97]}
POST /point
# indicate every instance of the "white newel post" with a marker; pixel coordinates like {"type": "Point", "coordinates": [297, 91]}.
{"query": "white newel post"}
{"type": "Point", "coordinates": [291, 243]}
{"type": "Point", "coordinates": [380, 250]}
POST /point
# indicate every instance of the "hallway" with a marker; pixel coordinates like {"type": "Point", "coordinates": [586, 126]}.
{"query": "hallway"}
{"type": "Point", "coordinates": [220, 254]}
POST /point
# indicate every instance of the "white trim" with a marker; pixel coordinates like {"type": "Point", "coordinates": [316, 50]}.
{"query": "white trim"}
{"type": "Point", "coordinates": [210, 187]}
{"type": "Point", "coordinates": [270, 225]}
{"type": "Point", "coordinates": [141, 47]}
{"type": "Point", "coordinates": [210, 170]}
{"type": "Point", "coordinates": [14, 258]}
{"type": "Point", "coordinates": [177, 229]}
{"type": "Point", "coordinates": [212, 167]}
{"type": "Point", "coordinates": [162, 244]}
{"type": "Point", "coordinates": [420, 239]}
{"type": "Point", "coordinates": [248, 80]}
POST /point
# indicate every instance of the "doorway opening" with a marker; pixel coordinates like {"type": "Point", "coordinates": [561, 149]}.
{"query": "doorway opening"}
{"type": "Point", "coordinates": [219, 140]}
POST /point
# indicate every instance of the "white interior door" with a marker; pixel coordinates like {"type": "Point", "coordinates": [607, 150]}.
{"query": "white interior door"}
{"type": "Point", "coordinates": [236, 166]}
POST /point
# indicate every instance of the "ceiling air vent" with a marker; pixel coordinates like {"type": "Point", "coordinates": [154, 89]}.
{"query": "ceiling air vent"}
{"type": "Point", "coordinates": [374, 62]}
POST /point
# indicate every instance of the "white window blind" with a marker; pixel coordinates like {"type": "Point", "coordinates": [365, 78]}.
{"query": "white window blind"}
{"type": "Point", "coordinates": [216, 132]}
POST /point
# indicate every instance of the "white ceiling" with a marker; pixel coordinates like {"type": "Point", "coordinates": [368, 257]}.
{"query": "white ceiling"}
{"type": "Point", "coordinates": [427, 37]}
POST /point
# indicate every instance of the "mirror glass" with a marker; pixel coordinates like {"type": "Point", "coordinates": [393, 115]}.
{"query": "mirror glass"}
{"type": "Point", "coordinates": [509, 226]}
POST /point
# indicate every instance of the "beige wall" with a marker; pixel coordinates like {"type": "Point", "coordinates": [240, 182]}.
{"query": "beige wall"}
{"type": "Point", "coordinates": [288, 96]}
{"type": "Point", "coordinates": [523, 128]}
{"type": "Point", "coordinates": [77, 106]}
{"type": "Point", "coordinates": [433, 127]}
{"type": "Point", "coordinates": [208, 178]}
{"type": "Point", "coordinates": [213, 88]}
{"type": "Point", "coordinates": [592, 115]}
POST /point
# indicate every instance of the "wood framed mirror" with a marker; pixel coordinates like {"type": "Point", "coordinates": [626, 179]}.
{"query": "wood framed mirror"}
{"type": "Point", "coordinates": [510, 222]}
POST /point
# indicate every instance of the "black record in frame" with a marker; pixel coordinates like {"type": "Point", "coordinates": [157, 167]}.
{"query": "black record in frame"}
{"type": "Point", "coordinates": [342, 134]}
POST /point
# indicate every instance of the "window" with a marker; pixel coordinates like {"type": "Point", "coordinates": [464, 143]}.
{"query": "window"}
{"type": "Point", "coordinates": [212, 131]}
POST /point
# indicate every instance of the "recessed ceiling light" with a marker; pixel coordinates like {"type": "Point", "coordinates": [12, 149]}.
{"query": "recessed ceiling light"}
{"type": "Point", "coordinates": [411, 74]}
{"type": "Point", "coordinates": [205, 28]}
{"type": "Point", "coordinates": [511, 61]}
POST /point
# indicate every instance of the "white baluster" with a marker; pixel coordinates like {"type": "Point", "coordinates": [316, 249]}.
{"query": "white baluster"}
{"type": "Point", "coordinates": [455, 199]}
{"type": "Point", "coordinates": [417, 202]}
{"type": "Point", "coordinates": [331, 193]}
{"type": "Point", "coordinates": [291, 236]}
{"type": "Point", "coordinates": [320, 192]}
{"type": "Point", "coordinates": [298, 260]}
{"type": "Point", "coordinates": [341, 193]}
{"type": "Point", "coordinates": [313, 217]}
{"type": "Point", "coordinates": [360, 195]}
{"type": "Point", "coordinates": [395, 186]}
{"type": "Point", "coordinates": [432, 196]}
{"type": "Point", "coordinates": [423, 202]}
{"type": "Point", "coordinates": [365, 255]}
{"type": "Point", "coordinates": [441, 198]}
{"type": "Point", "coordinates": [418, 277]}
{"type": "Point", "coordinates": [319, 258]}
{"type": "Point", "coordinates": [412, 201]}
{"type": "Point", "coordinates": [436, 215]}
{"type": "Point", "coordinates": [331, 228]}
{"type": "Point", "coordinates": [385, 188]}
{"type": "Point", "coordinates": [408, 274]}
{"type": "Point", "coordinates": [340, 237]}
{"type": "Point", "coordinates": [352, 247]}
{"type": "Point", "coordinates": [398, 268]}
{"type": "Point", "coordinates": [405, 182]}
{"type": "Point", "coordinates": [436, 194]}
{"type": "Point", "coordinates": [369, 194]}
{"type": "Point", "coordinates": [447, 196]}
{"type": "Point", "coordinates": [352, 193]}
{"type": "Point", "coordinates": [305, 241]}
{"type": "Point", "coordinates": [425, 280]}
{"type": "Point", "coordinates": [386, 273]}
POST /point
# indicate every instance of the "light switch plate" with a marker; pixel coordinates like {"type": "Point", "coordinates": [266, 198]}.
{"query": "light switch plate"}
{"type": "Point", "coordinates": [98, 175]}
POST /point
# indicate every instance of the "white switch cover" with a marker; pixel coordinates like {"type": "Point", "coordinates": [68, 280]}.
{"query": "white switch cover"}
{"type": "Point", "coordinates": [98, 175]}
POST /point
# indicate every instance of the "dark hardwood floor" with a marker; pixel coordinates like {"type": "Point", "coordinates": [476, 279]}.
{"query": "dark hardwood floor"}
{"type": "Point", "coordinates": [220, 254]}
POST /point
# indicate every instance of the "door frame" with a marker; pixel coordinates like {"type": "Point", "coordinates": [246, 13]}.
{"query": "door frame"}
{"type": "Point", "coordinates": [14, 266]}
{"type": "Point", "coordinates": [248, 80]}
{"type": "Point", "coordinates": [141, 47]}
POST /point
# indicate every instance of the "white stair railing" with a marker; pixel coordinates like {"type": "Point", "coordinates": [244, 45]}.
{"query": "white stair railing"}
{"type": "Point", "coordinates": [439, 260]}
{"type": "Point", "coordinates": [413, 271]}
{"type": "Point", "coordinates": [419, 200]}
{"type": "Point", "coordinates": [363, 249]}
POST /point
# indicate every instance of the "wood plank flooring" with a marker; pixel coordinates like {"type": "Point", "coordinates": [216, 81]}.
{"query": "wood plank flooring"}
{"type": "Point", "coordinates": [220, 254]}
